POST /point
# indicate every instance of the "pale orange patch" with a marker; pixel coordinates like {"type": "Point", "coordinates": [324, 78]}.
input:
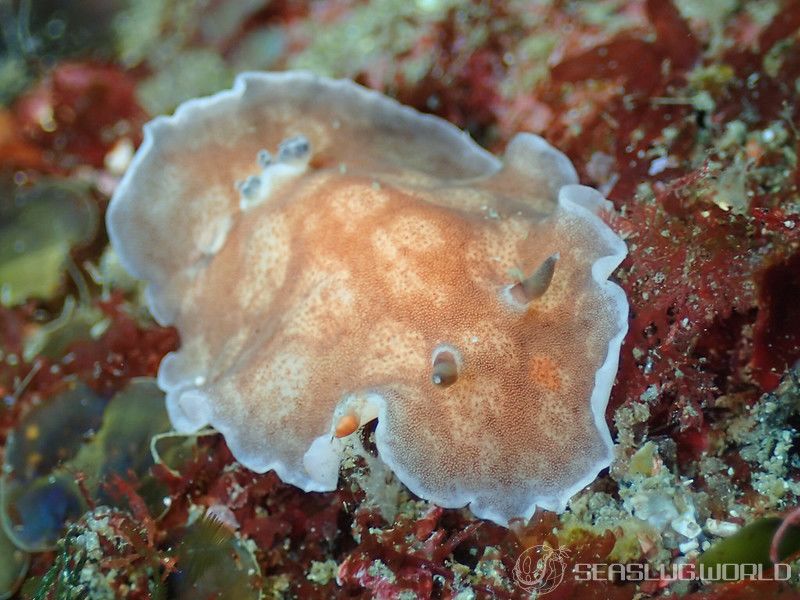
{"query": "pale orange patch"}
{"type": "Point", "coordinates": [546, 372]}
{"type": "Point", "coordinates": [346, 426]}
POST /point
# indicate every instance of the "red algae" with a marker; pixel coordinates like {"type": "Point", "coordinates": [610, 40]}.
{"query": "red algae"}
{"type": "Point", "coordinates": [77, 112]}
{"type": "Point", "coordinates": [693, 268]}
{"type": "Point", "coordinates": [776, 335]}
{"type": "Point", "coordinates": [695, 141]}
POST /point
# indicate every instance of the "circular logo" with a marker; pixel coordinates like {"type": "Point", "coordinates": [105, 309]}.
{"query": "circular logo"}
{"type": "Point", "coordinates": [541, 569]}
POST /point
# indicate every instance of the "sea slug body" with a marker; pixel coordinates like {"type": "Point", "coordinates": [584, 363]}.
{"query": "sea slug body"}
{"type": "Point", "coordinates": [330, 257]}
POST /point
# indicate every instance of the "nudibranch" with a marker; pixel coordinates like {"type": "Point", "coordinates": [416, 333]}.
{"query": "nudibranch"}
{"type": "Point", "coordinates": [330, 256]}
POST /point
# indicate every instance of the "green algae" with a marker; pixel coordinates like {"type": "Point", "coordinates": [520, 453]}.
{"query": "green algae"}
{"type": "Point", "coordinates": [39, 225]}
{"type": "Point", "coordinates": [190, 73]}
{"type": "Point", "coordinates": [138, 28]}
{"type": "Point", "coordinates": [322, 572]}
{"type": "Point", "coordinates": [158, 33]}
{"type": "Point", "coordinates": [37, 494]}
{"type": "Point", "coordinates": [13, 566]}
{"type": "Point", "coordinates": [382, 28]}
{"type": "Point", "coordinates": [213, 563]}
{"type": "Point", "coordinates": [79, 434]}
{"type": "Point", "coordinates": [76, 322]}
{"type": "Point", "coordinates": [751, 545]}
{"type": "Point", "coordinates": [121, 447]}
{"type": "Point", "coordinates": [14, 78]}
